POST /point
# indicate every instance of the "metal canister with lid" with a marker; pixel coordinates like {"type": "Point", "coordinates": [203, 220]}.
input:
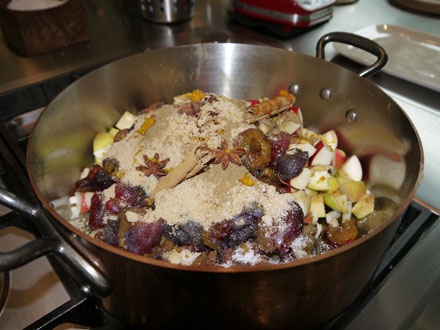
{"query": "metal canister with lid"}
{"type": "Point", "coordinates": [167, 11]}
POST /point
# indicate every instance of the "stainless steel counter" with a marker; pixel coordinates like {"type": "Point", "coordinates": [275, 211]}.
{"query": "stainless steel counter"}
{"type": "Point", "coordinates": [118, 30]}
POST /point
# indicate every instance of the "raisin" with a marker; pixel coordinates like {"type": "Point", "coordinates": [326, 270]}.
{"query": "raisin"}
{"type": "Point", "coordinates": [121, 134]}
{"type": "Point", "coordinates": [110, 165]}
{"type": "Point", "coordinates": [344, 234]}
{"type": "Point", "coordinates": [269, 176]}
{"type": "Point", "coordinates": [205, 259]}
{"type": "Point", "coordinates": [244, 227]}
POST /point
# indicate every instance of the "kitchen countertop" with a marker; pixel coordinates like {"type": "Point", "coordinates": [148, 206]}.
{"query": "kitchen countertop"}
{"type": "Point", "coordinates": [117, 30]}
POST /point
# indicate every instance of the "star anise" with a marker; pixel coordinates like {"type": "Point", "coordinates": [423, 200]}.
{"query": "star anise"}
{"type": "Point", "coordinates": [154, 166]}
{"type": "Point", "coordinates": [224, 155]}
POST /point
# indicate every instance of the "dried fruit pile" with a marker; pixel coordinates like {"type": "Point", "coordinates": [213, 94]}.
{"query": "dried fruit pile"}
{"type": "Point", "coordinates": [209, 181]}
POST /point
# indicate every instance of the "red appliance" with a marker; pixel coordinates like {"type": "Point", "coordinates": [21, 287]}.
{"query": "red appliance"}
{"type": "Point", "coordinates": [284, 16]}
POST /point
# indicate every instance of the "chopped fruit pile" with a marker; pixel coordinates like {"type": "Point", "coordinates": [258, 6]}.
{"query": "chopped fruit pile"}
{"type": "Point", "coordinates": [210, 180]}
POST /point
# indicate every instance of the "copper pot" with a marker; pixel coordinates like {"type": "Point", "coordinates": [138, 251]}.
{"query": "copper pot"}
{"type": "Point", "coordinates": [156, 294]}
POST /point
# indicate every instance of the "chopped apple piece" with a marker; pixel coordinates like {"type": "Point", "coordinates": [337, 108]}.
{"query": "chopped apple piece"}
{"type": "Point", "coordinates": [331, 139]}
{"type": "Point", "coordinates": [340, 158]}
{"type": "Point", "coordinates": [317, 206]}
{"type": "Point", "coordinates": [300, 181]}
{"type": "Point", "coordinates": [101, 143]}
{"type": "Point", "coordinates": [289, 122]}
{"type": "Point", "coordinates": [337, 202]}
{"type": "Point", "coordinates": [266, 125]}
{"type": "Point", "coordinates": [126, 121]}
{"type": "Point", "coordinates": [311, 192]}
{"type": "Point", "coordinates": [364, 206]}
{"type": "Point", "coordinates": [347, 216]}
{"type": "Point", "coordinates": [309, 134]}
{"type": "Point", "coordinates": [303, 200]}
{"type": "Point", "coordinates": [333, 184]}
{"type": "Point", "coordinates": [319, 180]}
{"type": "Point", "coordinates": [352, 168]}
{"type": "Point", "coordinates": [354, 190]}
{"type": "Point", "coordinates": [332, 218]}
{"type": "Point", "coordinates": [323, 156]}
{"type": "Point", "coordinates": [305, 146]}
{"type": "Point", "coordinates": [113, 131]}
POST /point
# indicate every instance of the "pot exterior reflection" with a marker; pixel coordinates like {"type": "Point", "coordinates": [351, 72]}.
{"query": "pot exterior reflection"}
{"type": "Point", "coordinates": [302, 295]}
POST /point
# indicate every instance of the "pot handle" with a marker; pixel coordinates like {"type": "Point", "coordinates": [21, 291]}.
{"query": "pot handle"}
{"type": "Point", "coordinates": [50, 242]}
{"type": "Point", "coordinates": [359, 42]}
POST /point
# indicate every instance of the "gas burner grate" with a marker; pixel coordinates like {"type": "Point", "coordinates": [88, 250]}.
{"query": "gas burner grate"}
{"type": "Point", "coordinates": [80, 311]}
{"type": "Point", "coordinates": [416, 221]}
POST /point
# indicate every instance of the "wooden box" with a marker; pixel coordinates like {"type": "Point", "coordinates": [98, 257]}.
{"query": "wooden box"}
{"type": "Point", "coordinates": [36, 31]}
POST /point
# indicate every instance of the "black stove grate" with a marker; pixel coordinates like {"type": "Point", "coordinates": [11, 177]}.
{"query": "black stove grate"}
{"type": "Point", "coordinates": [415, 222]}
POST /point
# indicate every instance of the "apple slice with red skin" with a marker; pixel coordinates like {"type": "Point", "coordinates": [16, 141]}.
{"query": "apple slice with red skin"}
{"type": "Point", "coordinates": [324, 155]}
{"type": "Point", "coordinates": [340, 158]}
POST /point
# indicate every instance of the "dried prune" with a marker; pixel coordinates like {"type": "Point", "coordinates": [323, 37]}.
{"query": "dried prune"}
{"type": "Point", "coordinates": [279, 144]}
{"type": "Point", "coordinates": [110, 232]}
{"type": "Point", "coordinates": [101, 181]}
{"type": "Point", "coordinates": [269, 176]}
{"type": "Point", "coordinates": [142, 237]}
{"type": "Point", "coordinates": [84, 183]}
{"type": "Point", "coordinates": [230, 233]}
{"type": "Point", "coordinates": [290, 165]}
{"type": "Point", "coordinates": [244, 227]}
{"type": "Point", "coordinates": [188, 233]}
{"type": "Point", "coordinates": [257, 149]}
